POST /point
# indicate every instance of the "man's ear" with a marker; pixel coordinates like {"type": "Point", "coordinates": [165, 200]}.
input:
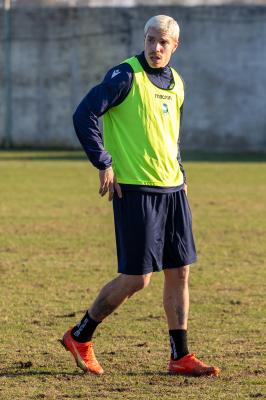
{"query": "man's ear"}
{"type": "Point", "coordinates": [175, 46]}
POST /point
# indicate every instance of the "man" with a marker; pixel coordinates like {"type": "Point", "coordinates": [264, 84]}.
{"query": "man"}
{"type": "Point", "coordinates": [139, 165]}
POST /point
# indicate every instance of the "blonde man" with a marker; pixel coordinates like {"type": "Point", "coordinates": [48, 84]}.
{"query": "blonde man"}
{"type": "Point", "coordinates": [139, 165]}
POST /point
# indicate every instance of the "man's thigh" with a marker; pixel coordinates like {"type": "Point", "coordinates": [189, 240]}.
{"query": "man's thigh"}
{"type": "Point", "coordinates": [140, 220]}
{"type": "Point", "coordinates": [179, 246]}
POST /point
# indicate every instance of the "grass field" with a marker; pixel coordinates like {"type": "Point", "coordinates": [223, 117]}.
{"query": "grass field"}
{"type": "Point", "coordinates": [57, 250]}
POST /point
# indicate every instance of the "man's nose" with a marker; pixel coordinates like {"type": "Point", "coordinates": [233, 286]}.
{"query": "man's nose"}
{"type": "Point", "coordinates": [157, 47]}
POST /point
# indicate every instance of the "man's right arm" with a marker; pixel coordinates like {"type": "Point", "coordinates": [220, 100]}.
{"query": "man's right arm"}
{"type": "Point", "coordinates": [109, 93]}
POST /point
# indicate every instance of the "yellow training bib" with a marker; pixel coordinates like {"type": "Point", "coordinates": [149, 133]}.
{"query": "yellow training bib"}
{"type": "Point", "coordinates": [141, 133]}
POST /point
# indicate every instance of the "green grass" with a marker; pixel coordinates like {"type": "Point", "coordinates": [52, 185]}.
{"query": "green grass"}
{"type": "Point", "coordinates": [57, 250]}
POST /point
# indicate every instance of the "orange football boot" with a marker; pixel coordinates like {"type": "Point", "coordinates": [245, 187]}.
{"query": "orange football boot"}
{"type": "Point", "coordinates": [83, 354]}
{"type": "Point", "coordinates": [190, 365]}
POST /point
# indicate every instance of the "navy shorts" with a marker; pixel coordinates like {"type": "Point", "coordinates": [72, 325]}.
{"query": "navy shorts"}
{"type": "Point", "coordinates": [153, 231]}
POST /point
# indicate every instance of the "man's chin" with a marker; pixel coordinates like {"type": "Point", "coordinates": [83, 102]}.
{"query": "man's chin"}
{"type": "Point", "coordinates": [155, 64]}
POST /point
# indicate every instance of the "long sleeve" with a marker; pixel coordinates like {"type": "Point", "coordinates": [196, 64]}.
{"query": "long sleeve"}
{"type": "Point", "coordinates": [109, 93]}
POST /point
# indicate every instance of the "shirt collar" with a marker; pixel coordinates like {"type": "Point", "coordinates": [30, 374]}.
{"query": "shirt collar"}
{"type": "Point", "coordinates": [141, 58]}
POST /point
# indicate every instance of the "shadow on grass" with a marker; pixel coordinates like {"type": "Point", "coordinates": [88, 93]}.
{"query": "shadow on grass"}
{"type": "Point", "coordinates": [148, 373]}
{"type": "Point", "coordinates": [79, 155]}
{"type": "Point", "coordinates": [70, 314]}
{"type": "Point", "coordinates": [11, 373]}
{"type": "Point", "coordinates": [8, 373]}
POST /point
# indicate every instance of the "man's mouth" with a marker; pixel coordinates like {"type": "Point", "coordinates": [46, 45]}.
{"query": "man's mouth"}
{"type": "Point", "coordinates": [155, 58]}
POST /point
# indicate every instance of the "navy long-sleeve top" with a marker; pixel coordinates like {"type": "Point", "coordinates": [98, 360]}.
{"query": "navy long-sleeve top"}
{"type": "Point", "coordinates": [109, 93]}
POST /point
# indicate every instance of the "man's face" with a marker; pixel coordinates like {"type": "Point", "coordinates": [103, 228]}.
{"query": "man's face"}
{"type": "Point", "coordinates": [158, 48]}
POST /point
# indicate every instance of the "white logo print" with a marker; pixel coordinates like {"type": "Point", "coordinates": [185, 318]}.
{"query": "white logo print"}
{"type": "Point", "coordinates": [172, 343]}
{"type": "Point", "coordinates": [115, 72]}
{"type": "Point", "coordinates": [165, 108]}
{"type": "Point", "coordinates": [80, 327]}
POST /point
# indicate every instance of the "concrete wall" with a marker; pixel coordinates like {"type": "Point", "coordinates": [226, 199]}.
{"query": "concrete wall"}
{"type": "Point", "coordinates": [58, 54]}
{"type": "Point", "coordinates": [127, 3]}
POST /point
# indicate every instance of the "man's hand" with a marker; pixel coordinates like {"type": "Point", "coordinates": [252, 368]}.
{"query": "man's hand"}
{"type": "Point", "coordinates": [185, 188]}
{"type": "Point", "coordinates": [108, 183]}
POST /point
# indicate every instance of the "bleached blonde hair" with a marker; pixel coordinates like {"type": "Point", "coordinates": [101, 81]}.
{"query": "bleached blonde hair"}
{"type": "Point", "coordinates": [165, 24]}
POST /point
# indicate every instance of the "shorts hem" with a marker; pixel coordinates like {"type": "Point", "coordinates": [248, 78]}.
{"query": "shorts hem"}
{"type": "Point", "coordinates": [144, 272]}
{"type": "Point", "coordinates": [159, 269]}
{"type": "Point", "coordinates": [180, 265]}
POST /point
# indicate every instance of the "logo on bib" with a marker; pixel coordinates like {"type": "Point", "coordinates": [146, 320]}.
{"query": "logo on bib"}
{"type": "Point", "coordinates": [163, 96]}
{"type": "Point", "coordinates": [165, 108]}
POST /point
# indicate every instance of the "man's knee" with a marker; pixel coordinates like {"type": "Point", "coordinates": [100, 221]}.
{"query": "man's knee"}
{"type": "Point", "coordinates": [134, 283]}
{"type": "Point", "coordinates": [177, 274]}
{"type": "Point", "coordinates": [183, 273]}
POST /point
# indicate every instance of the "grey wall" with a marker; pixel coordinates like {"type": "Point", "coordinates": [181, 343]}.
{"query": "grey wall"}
{"type": "Point", "coordinates": [127, 3]}
{"type": "Point", "coordinates": [58, 54]}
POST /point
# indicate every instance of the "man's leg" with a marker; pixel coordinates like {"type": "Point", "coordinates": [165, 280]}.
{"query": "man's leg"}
{"type": "Point", "coordinates": [115, 293]}
{"type": "Point", "coordinates": [78, 339]}
{"type": "Point", "coordinates": [176, 297]}
{"type": "Point", "coordinates": [176, 305]}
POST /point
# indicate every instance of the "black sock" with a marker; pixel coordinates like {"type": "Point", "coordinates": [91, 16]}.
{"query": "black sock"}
{"type": "Point", "coordinates": [178, 343]}
{"type": "Point", "coordinates": [84, 330]}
